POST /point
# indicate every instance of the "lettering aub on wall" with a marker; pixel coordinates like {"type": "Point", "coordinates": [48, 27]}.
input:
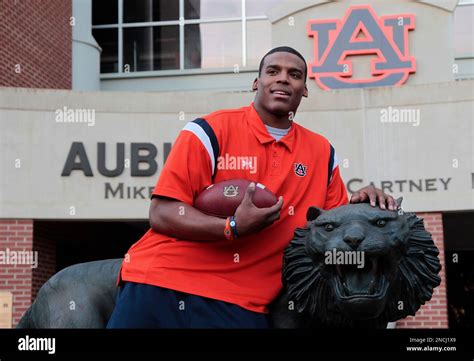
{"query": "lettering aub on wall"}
{"type": "Point", "coordinates": [143, 163]}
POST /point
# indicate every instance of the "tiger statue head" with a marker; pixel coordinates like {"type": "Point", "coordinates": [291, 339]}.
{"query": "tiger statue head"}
{"type": "Point", "coordinates": [360, 265]}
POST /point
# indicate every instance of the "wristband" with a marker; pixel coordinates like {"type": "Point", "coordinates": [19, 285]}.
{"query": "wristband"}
{"type": "Point", "coordinates": [228, 230]}
{"type": "Point", "coordinates": [233, 227]}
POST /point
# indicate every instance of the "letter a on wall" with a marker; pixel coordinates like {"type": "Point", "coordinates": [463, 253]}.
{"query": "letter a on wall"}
{"type": "Point", "coordinates": [361, 32]}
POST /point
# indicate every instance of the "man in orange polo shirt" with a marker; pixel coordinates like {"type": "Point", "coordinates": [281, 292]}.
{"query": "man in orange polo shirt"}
{"type": "Point", "coordinates": [185, 271]}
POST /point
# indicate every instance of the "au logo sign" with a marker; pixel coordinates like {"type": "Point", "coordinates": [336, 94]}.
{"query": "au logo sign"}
{"type": "Point", "coordinates": [361, 32]}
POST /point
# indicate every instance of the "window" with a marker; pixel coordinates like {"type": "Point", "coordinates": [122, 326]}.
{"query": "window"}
{"type": "Point", "coordinates": [151, 48]}
{"type": "Point", "coordinates": [463, 40]}
{"type": "Point", "coordinates": [108, 40]}
{"type": "Point", "coordinates": [156, 35]}
{"type": "Point", "coordinates": [138, 11]}
{"type": "Point", "coordinates": [463, 30]}
{"type": "Point", "coordinates": [104, 12]}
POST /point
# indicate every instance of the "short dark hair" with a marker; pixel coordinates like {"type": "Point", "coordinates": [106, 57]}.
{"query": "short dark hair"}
{"type": "Point", "coordinates": [285, 49]}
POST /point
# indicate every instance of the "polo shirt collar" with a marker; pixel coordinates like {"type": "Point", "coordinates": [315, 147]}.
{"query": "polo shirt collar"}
{"type": "Point", "coordinates": [261, 132]}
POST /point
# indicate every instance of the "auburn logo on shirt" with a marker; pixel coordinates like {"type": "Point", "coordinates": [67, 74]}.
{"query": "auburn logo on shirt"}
{"type": "Point", "coordinates": [300, 169]}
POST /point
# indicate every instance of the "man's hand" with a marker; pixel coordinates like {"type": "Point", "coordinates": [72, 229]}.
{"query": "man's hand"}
{"type": "Point", "coordinates": [251, 219]}
{"type": "Point", "coordinates": [374, 195]}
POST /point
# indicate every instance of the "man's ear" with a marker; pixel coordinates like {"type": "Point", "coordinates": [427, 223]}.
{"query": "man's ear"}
{"type": "Point", "coordinates": [312, 213]}
{"type": "Point", "coordinates": [255, 85]}
{"type": "Point", "coordinates": [305, 94]}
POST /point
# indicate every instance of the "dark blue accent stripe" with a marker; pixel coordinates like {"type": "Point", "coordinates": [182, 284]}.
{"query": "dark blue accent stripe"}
{"type": "Point", "coordinates": [212, 136]}
{"type": "Point", "coordinates": [331, 163]}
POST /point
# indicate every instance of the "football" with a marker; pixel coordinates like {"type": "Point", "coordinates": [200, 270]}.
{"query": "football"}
{"type": "Point", "coordinates": [222, 199]}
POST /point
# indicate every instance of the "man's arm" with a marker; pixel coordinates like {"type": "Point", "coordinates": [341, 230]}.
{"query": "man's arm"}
{"type": "Point", "coordinates": [181, 220]}
{"type": "Point", "coordinates": [178, 219]}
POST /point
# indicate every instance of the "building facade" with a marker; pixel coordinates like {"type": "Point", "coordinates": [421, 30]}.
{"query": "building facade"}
{"type": "Point", "coordinates": [93, 98]}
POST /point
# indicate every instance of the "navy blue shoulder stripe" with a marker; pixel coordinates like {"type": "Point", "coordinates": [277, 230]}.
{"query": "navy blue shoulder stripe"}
{"type": "Point", "coordinates": [212, 136]}
{"type": "Point", "coordinates": [331, 163]}
{"type": "Point", "coordinates": [201, 128]}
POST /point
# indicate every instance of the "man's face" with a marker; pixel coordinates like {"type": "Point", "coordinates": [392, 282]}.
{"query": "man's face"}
{"type": "Point", "coordinates": [281, 84]}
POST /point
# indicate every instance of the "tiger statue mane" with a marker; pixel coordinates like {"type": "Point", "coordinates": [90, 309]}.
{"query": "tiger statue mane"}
{"type": "Point", "coordinates": [356, 266]}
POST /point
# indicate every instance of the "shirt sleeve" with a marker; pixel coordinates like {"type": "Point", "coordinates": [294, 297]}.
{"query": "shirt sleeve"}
{"type": "Point", "coordinates": [336, 194]}
{"type": "Point", "coordinates": [187, 170]}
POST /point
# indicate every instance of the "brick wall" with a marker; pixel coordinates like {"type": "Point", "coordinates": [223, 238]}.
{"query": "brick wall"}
{"type": "Point", "coordinates": [433, 314]}
{"type": "Point", "coordinates": [17, 236]}
{"type": "Point", "coordinates": [36, 48]}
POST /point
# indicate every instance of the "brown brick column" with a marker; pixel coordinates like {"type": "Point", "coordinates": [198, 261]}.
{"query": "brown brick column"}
{"type": "Point", "coordinates": [16, 236]}
{"type": "Point", "coordinates": [433, 314]}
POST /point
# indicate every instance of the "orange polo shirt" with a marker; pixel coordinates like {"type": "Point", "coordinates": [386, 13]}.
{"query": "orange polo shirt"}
{"type": "Point", "coordinates": [228, 144]}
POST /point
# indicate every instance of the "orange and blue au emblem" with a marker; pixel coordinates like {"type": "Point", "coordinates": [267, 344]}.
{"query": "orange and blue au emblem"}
{"type": "Point", "coordinates": [361, 32]}
{"type": "Point", "coordinates": [300, 169]}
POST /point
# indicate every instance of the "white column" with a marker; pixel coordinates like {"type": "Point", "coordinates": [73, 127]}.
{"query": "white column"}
{"type": "Point", "coordinates": [85, 50]}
